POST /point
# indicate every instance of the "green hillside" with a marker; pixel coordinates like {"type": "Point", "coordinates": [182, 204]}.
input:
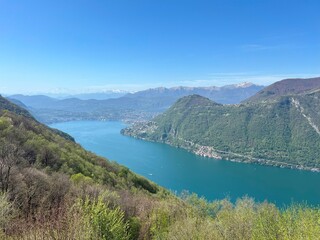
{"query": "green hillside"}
{"type": "Point", "coordinates": [281, 132]}
{"type": "Point", "coordinates": [42, 172]}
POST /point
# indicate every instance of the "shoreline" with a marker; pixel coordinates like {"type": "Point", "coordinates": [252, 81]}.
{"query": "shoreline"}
{"type": "Point", "coordinates": [210, 152]}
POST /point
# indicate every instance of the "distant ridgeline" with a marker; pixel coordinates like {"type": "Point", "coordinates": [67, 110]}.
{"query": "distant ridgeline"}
{"type": "Point", "coordinates": [278, 126]}
{"type": "Point", "coordinates": [142, 105]}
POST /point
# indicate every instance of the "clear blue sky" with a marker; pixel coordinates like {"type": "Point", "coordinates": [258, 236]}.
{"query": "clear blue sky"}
{"type": "Point", "coordinates": [65, 45]}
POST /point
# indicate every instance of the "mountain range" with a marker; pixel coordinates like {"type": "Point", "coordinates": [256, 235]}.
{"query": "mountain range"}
{"type": "Point", "coordinates": [102, 95]}
{"type": "Point", "coordinates": [279, 126]}
{"type": "Point", "coordinates": [142, 105]}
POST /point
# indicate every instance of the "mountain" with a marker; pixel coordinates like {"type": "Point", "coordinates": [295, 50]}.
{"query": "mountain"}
{"type": "Point", "coordinates": [284, 131]}
{"type": "Point", "coordinates": [6, 105]}
{"type": "Point", "coordinates": [228, 94]}
{"type": "Point", "coordinates": [18, 103]}
{"type": "Point", "coordinates": [137, 106]}
{"type": "Point", "coordinates": [286, 87]}
{"type": "Point", "coordinates": [35, 101]}
{"type": "Point", "coordinates": [97, 96]}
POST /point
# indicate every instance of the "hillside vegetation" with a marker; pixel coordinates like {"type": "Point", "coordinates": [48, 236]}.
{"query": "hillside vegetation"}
{"type": "Point", "coordinates": [51, 188]}
{"type": "Point", "coordinates": [284, 131]}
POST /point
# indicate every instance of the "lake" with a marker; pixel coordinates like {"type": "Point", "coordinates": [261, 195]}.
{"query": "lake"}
{"type": "Point", "coordinates": [178, 169]}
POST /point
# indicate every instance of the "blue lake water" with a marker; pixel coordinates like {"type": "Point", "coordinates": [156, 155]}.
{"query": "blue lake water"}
{"type": "Point", "coordinates": [178, 170]}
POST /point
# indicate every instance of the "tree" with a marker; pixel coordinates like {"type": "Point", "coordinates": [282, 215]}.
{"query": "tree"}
{"type": "Point", "coordinates": [6, 211]}
{"type": "Point", "coordinates": [103, 222]}
{"type": "Point", "coordinates": [9, 155]}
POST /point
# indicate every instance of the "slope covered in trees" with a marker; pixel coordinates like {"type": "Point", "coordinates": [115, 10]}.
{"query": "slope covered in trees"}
{"type": "Point", "coordinates": [42, 171]}
{"type": "Point", "coordinates": [284, 131]}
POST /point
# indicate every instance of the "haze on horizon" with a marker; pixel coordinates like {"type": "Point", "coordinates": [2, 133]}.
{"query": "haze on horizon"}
{"type": "Point", "coordinates": [91, 46]}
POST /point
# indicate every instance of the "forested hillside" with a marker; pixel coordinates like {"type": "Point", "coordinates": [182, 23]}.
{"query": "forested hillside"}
{"type": "Point", "coordinates": [283, 131]}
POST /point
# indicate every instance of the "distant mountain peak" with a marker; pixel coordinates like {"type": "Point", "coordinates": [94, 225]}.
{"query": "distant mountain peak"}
{"type": "Point", "coordinates": [239, 85]}
{"type": "Point", "coordinates": [215, 88]}
{"type": "Point", "coordinates": [195, 100]}
{"type": "Point", "coordinates": [243, 84]}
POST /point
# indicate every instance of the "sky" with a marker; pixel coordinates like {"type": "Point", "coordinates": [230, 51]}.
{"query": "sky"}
{"type": "Point", "coordinates": [89, 45]}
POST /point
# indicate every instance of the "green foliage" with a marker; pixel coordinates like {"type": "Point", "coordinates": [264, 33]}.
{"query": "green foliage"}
{"type": "Point", "coordinates": [243, 220]}
{"type": "Point", "coordinates": [201, 205]}
{"type": "Point", "coordinates": [141, 182]}
{"type": "Point", "coordinates": [6, 211]}
{"type": "Point", "coordinates": [80, 178]}
{"type": "Point", "coordinates": [134, 227]}
{"type": "Point", "coordinates": [103, 222]}
{"type": "Point", "coordinates": [160, 223]}
{"type": "Point", "coordinates": [267, 223]}
{"type": "Point", "coordinates": [4, 123]}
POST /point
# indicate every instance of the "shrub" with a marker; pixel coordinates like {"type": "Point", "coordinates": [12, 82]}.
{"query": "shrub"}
{"type": "Point", "coordinates": [103, 222]}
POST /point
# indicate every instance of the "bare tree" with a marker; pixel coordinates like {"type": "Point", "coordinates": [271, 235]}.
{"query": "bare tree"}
{"type": "Point", "coordinates": [9, 155]}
